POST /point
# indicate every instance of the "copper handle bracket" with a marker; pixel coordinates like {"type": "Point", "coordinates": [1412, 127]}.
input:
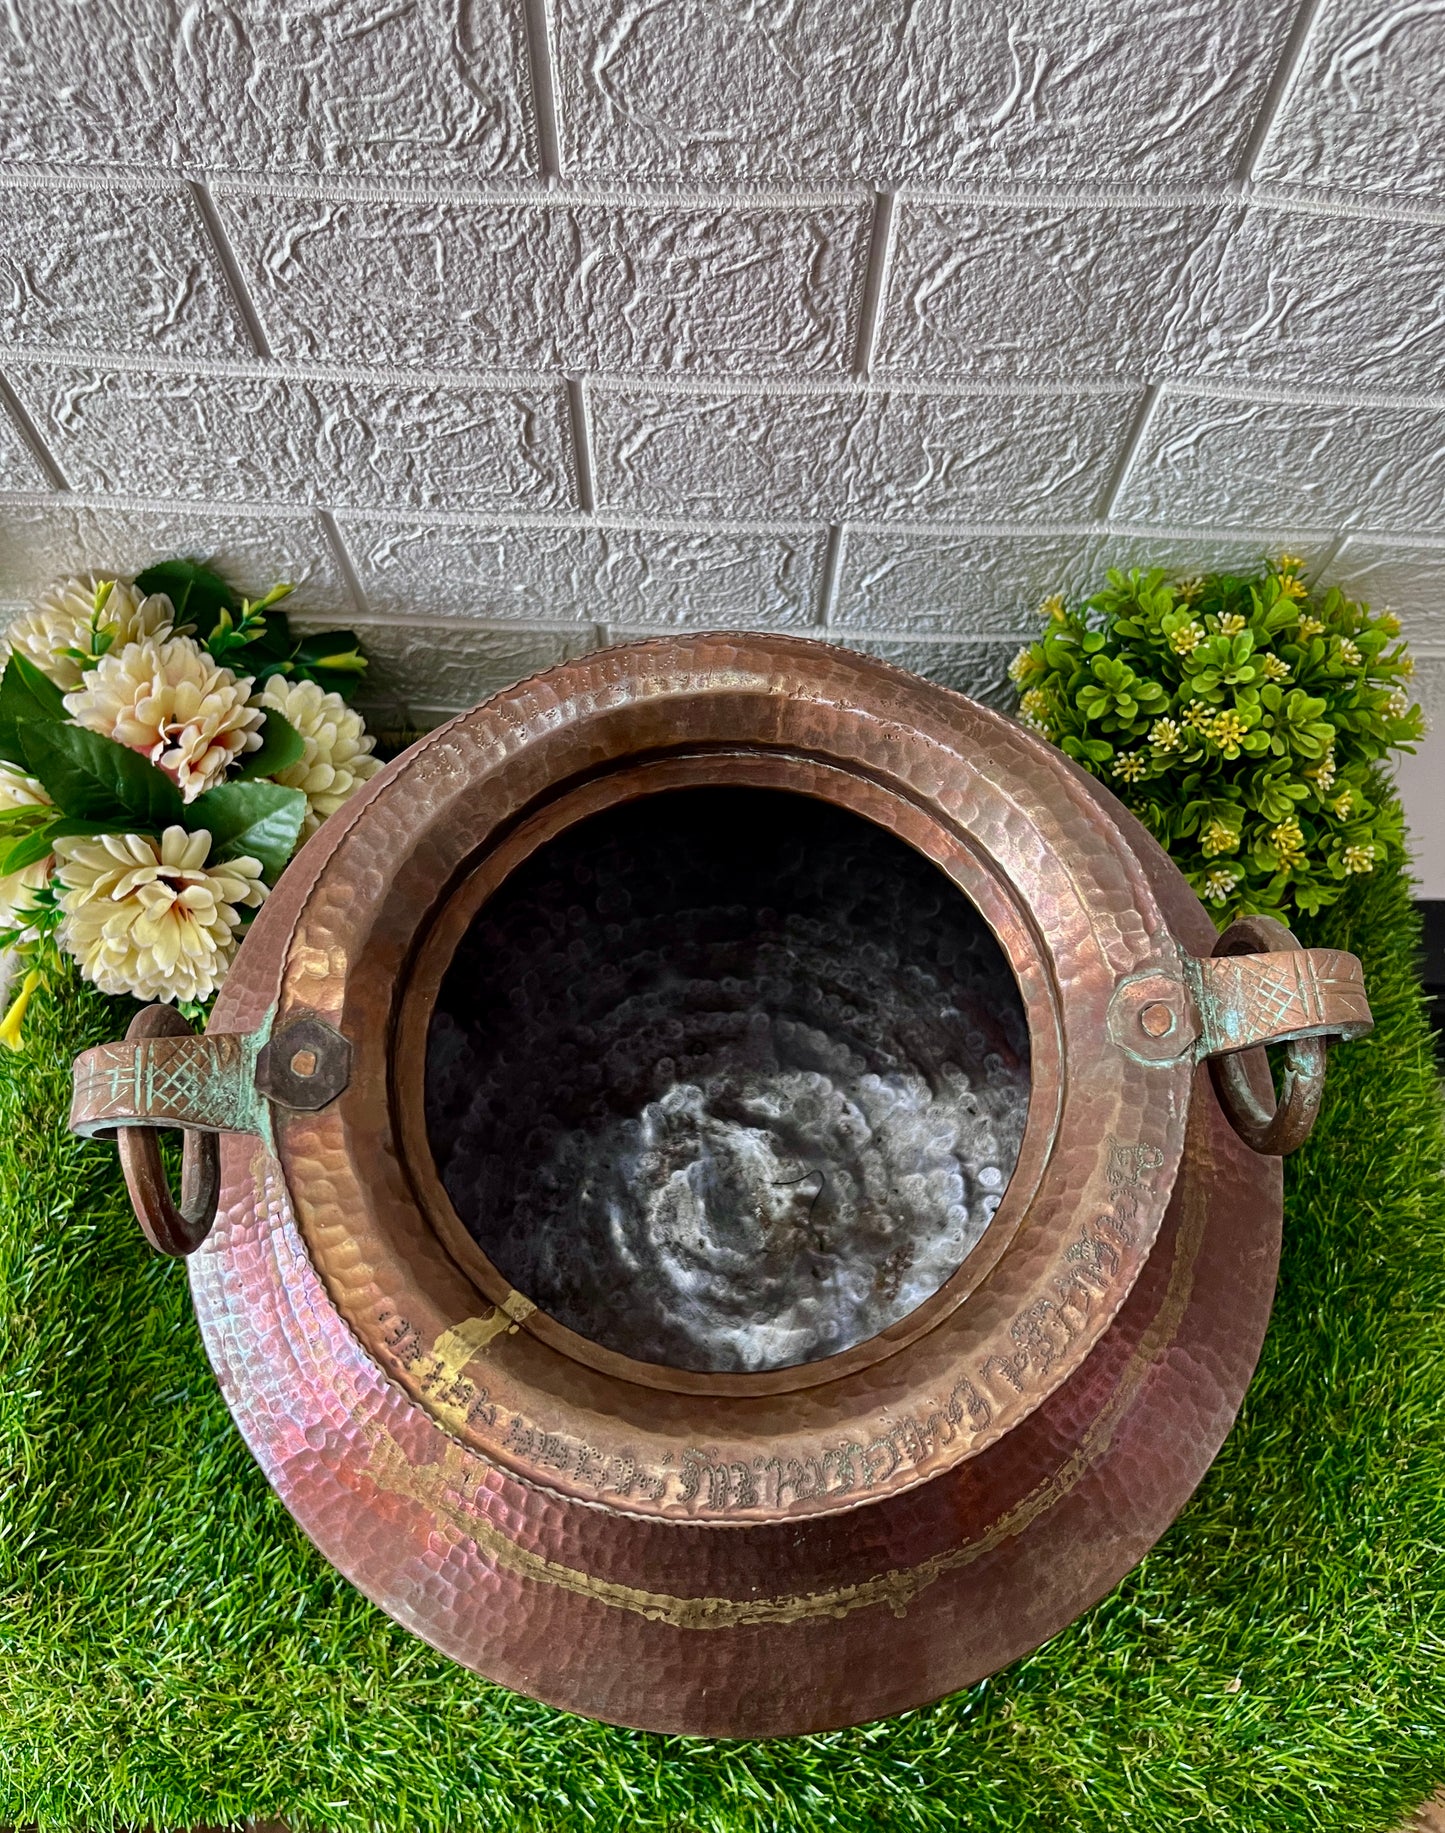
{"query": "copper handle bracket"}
{"type": "Point", "coordinates": [1260, 987]}
{"type": "Point", "coordinates": [164, 1075]}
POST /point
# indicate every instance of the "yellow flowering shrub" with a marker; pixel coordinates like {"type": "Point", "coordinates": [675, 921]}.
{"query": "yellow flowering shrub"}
{"type": "Point", "coordinates": [1241, 718]}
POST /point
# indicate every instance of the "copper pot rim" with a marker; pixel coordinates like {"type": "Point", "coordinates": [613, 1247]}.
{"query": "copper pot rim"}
{"type": "Point", "coordinates": [480, 877]}
{"type": "Point", "coordinates": [415, 1309]}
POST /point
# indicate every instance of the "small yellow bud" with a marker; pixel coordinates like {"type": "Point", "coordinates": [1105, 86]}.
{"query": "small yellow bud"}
{"type": "Point", "coordinates": [15, 1017]}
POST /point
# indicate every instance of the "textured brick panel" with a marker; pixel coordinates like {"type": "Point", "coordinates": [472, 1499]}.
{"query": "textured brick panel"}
{"type": "Point", "coordinates": [41, 541]}
{"type": "Point", "coordinates": [115, 270]}
{"type": "Point", "coordinates": [968, 584]}
{"type": "Point", "coordinates": [1233, 463]}
{"type": "Point", "coordinates": [690, 578]}
{"type": "Point", "coordinates": [840, 454]}
{"type": "Point", "coordinates": [951, 584]}
{"type": "Point", "coordinates": [413, 87]}
{"type": "Point", "coordinates": [1082, 293]}
{"type": "Point", "coordinates": [555, 286]}
{"type": "Point", "coordinates": [1332, 300]}
{"type": "Point", "coordinates": [1183, 554]}
{"type": "Point", "coordinates": [979, 670]}
{"type": "Point", "coordinates": [19, 469]}
{"type": "Point", "coordinates": [1409, 580]}
{"type": "Point", "coordinates": [1363, 113]}
{"type": "Point", "coordinates": [63, 70]}
{"type": "Point", "coordinates": [423, 670]}
{"type": "Point", "coordinates": [931, 92]}
{"type": "Point", "coordinates": [256, 438]}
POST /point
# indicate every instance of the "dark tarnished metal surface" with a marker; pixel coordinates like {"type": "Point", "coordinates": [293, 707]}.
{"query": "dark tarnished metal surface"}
{"type": "Point", "coordinates": [764, 1549]}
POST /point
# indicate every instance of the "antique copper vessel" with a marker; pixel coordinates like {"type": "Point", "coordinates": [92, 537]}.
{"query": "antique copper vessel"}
{"type": "Point", "coordinates": [754, 1454]}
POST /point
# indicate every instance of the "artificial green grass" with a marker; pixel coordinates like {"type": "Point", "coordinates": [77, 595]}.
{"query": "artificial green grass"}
{"type": "Point", "coordinates": [173, 1651]}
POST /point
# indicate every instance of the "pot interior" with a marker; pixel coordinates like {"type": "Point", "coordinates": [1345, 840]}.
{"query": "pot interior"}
{"type": "Point", "coordinates": [727, 1079]}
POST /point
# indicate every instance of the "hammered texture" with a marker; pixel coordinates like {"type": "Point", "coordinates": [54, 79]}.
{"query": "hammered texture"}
{"type": "Point", "coordinates": [782, 1625]}
{"type": "Point", "coordinates": [1039, 1296]}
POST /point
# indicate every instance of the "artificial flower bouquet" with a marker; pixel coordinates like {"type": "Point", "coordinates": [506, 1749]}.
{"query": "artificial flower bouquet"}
{"type": "Point", "coordinates": [1241, 717]}
{"type": "Point", "coordinates": [165, 746]}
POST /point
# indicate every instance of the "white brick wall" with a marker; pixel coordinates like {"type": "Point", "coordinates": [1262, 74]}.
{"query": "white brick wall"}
{"type": "Point", "coordinates": [511, 326]}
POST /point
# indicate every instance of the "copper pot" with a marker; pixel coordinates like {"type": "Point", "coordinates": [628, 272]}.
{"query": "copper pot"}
{"type": "Point", "coordinates": [684, 1542]}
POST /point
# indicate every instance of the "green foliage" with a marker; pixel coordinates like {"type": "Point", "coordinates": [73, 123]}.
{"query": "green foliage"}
{"type": "Point", "coordinates": [173, 1652]}
{"type": "Point", "coordinates": [93, 778]}
{"type": "Point", "coordinates": [281, 747]}
{"type": "Point", "coordinates": [259, 820]}
{"type": "Point", "coordinates": [1241, 719]}
{"type": "Point", "coordinates": [253, 638]}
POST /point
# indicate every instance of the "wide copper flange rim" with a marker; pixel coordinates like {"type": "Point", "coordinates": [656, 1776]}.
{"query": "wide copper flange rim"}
{"type": "Point", "coordinates": [627, 1447]}
{"type": "Point", "coordinates": [783, 1628]}
{"type": "Point", "coordinates": [946, 848]}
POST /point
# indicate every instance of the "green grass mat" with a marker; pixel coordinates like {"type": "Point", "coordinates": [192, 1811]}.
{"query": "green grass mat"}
{"type": "Point", "coordinates": [173, 1651]}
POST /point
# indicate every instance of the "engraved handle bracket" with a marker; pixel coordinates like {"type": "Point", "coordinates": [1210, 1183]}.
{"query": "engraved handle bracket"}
{"type": "Point", "coordinates": [1259, 987]}
{"type": "Point", "coordinates": [163, 1075]}
{"type": "Point", "coordinates": [1262, 987]}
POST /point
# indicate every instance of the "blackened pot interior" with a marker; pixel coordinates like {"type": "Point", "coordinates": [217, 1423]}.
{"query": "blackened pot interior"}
{"type": "Point", "coordinates": [727, 1079]}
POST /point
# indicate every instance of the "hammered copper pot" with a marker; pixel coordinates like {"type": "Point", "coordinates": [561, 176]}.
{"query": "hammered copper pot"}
{"type": "Point", "coordinates": [717, 1538]}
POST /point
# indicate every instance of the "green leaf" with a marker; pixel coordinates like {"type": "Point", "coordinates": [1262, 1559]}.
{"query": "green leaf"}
{"type": "Point", "coordinates": [281, 746]}
{"type": "Point", "coordinates": [198, 594]}
{"type": "Point", "coordinates": [94, 779]}
{"type": "Point", "coordinates": [261, 820]}
{"type": "Point", "coordinates": [25, 694]}
{"type": "Point", "coordinates": [31, 848]}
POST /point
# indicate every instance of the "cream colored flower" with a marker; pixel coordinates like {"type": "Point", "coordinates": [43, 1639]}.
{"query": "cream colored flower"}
{"type": "Point", "coordinates": [338, 756]}
{"type": "Point", "coordinates": [1322, 774]}
{"type": "Point", "coordinates": [61, 620]}
{"type": "Point", "coordinates": [1218, 837]}
{"type": "Point", "coordinates": [1219, 883]}
{"type": "Point", "coordinates": [1166, 735]}
{"type": "Point", "coordinates": [1310, 626]}
{"type": "Point", "coordinates": [1022, 666]}
{"type": "Point", "coordinates": [174, 705]}
{"type": "Point", "coordinates": [1350, 652]}
{"type": "Point", "coordinates": [1388, 622]}
{"type": "Point", "coordinates": [1360, 858]}
{"type": "Point", "coordinates": [1275, 668]}
{"type": "Point", "coordinates": [1188, 589]}
{"type": "Point", "coordinates": [1288, 842]}
{"type": "Point", "coordinates": [1231, 623]}
{"type": "Point", "coordinates": [1034, 709]}
{"type": "Point", "coordinates": [1130, 767]}
{"type": "Point", "coordinates": [1186, 639]}
{"type": "Point", "coordinates": [1343, 804]}
{"type": "Point", "coordinates": [17, 888]}
{"type": "Point", "coordinates": [1227, 730]}
{"type": "Point", "coordinates": [1054, 608]}
{"type": "Point", "coordinates": [150, 917]}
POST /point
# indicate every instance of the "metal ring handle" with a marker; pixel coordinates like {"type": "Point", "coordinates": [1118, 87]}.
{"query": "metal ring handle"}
{"type": "Point", "coordinates": [1282, 1126]}
{"type": "Point", "coordinates": [170, 1228]}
